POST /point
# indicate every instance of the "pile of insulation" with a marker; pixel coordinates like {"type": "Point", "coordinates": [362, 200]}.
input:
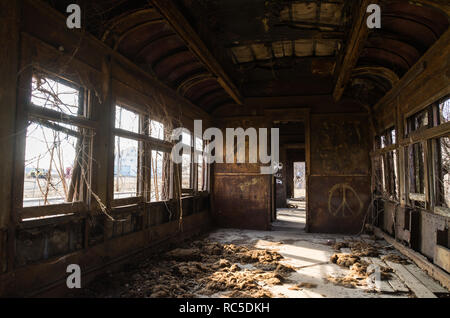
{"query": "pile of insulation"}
{"type": "Point", "coordinates": [360, 271]}
{"type": "Point", "coordinates": [202, 268]}
{"type": "Point", "coordinates": [357, 275]}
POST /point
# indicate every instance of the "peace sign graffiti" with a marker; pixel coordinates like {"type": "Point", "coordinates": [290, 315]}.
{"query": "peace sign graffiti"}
{"type": "Point", "coordinates": [344, 207]}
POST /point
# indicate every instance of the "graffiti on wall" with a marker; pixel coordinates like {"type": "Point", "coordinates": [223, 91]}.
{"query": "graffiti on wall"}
{"type": "Point", "coordinates": [343, 200]}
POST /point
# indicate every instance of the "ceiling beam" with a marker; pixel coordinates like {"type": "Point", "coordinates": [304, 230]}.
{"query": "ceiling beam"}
{"type": "Point", "coordinates": [196, 46]}
{"type": "Point", "coordinates": [353, 49]}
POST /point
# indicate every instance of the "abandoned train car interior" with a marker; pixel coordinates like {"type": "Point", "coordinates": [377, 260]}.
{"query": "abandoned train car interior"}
{"type": "Point", "coordinates": [225, 149]}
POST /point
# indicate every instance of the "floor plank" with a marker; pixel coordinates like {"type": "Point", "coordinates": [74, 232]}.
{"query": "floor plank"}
{"type": "Point", "coordinates": [430, 283]}
{"type": "Point", "coordinates": [419, 289]}
{"type": "Point", "coordinates": [383, 286]}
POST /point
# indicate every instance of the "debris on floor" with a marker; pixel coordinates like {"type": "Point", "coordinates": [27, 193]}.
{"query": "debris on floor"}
{"type": "Point", "coordinates": [301, 286]}
{"type": "Point", "coordinates": [395, 259]}
{"type": "Point", "coordinates": [339, 245]}
{"type": "Point", "coordinates": [243, 264]}
{"type": "Point", "coordinates": [363, 249]}
{"type": "Point", "coordinates": [344, 260]}
{"type": "Point", "coordinates": [203, 268]}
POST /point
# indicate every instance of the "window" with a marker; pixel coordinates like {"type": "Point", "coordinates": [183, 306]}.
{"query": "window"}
{"type": "Point", "coordinates": [186, 167]}
{"type": "Point", "coordinates": [200, 164]}
{"type": "Point", "coordinates": [444, 111]}
{"type": "Point", "coordinates": [186, 172]}
{"type": "Point", "coordinates": [127, 154]}
{"type": "Point", "coordinates": [159, 166]}
{"type": "Point", "coordinates": [443, 172]}
{"type": "Point", "coordinates": [127, 120]}
{"type": "Point", "coordinates": [416, 172]}
{"type": "Point", "coordinates": [420, 120]}
{"type": "Point", "coordinates": [160, 176]}
{"type": "Point", "coordinates": [56, 152]}
{"type": "Point", "coordinates": [126, 157]}
{"type": "Point", "coordinates": [156, 130]}
{"type": "Point", "coordinates": [56, 94]}
{"type": "Point", "coordinates": [387, 165]}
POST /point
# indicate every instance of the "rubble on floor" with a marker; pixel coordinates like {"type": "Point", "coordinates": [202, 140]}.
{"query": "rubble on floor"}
{"type": "Point", "coordinates": [242, 263]}
{"type": "Point", "coordinates": [395, 259]}
{"type": "Point", "coordinates": [203, 268]}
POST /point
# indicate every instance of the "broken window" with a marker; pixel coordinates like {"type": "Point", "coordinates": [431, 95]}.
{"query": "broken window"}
{"type": "Point", "coordinates": [56, 94]}
{"type": "Point", "coordinates": [443, 172]}
{"type": "Point", "coordinates": [387, 165]}
{"type": "Point", "coordinates": [390, 174]}
{"type": "Point", "coordinates": [416, 171]}
{"type": "Point", "coordinates": [56, 152]}
{"type": "Point", "coordinates": [420, 120]}
{"type": "Point", "coordinates": [186, 171]}
{"type": "Point", "coordinates": [200, 164]}
{"type": "Point", "coordinates": [50, 156]}
{"type": "Point", "coordinates": [156, 130]}
{"type": "Point", "coordinates": [127, 155]}
{"type": "Point", "coordinates": [186, 167]}
{"type": "Point", "coordinates": [127, 120]}
{"type": "Point", "coordinates": [442, 111]}
{"type": "Point", "coordinates": [160, 176]}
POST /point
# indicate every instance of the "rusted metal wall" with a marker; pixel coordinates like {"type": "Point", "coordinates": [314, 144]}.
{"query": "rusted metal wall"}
{"type": "Point", "coordinates": [242, 201]}
{"type": "Point", "coordinates": [339, 184]}
{"type": "Point", "coordinates": [242, 197]}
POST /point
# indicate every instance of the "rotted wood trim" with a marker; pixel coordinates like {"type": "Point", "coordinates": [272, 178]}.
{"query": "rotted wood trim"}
{"type": "Point", "coordinates": [420, 260]}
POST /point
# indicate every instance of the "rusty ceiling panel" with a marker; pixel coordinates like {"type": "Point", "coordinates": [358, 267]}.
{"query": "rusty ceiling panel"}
{"type": "Point", "coordinates": [304, 48]}
{"type": "Point", "coordinates": [326, 47]}
{"type": "Point", "coordinates": [303, 12]}
{"type": "Point", "coordinates": [331, 13]}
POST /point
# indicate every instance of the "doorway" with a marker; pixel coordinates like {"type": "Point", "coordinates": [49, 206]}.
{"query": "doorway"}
{"type": "Point", "coordinates": [299, 181]}
{"type": "Point", "coordinates": [290, 182]}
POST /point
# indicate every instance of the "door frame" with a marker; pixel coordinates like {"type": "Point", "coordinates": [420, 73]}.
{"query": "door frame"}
{"type": "Point", "coordinates": [303, 115]}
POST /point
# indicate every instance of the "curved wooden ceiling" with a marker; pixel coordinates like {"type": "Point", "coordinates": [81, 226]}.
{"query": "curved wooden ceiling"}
{"type": "Point", "coordinates": [407, 31]}
{"type": "Point", "coordinates": [269, 47]}
{"type": "Point", "coordinates": [146, 38]}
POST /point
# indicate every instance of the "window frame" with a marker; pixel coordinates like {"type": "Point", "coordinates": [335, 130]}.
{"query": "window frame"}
{"type": "Point", "coordinates": [204, 165]}
{"type": "Point", "coordinates": [191, 189]}
{"type": "Point", "coordinates": [126, 134]}
{"type": "Point", "coordinates": [147, 144]}
{"type": "Point", "coordinates": [437, 171]}
{"type": "Point", "coordinates": [52, 119]}
{"type": "Point", "coordinates": [427, 136]}
{"type": "Point", "coordinates": [387, 161]}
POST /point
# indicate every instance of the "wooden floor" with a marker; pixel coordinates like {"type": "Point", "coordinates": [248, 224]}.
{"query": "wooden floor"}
{"type": "Point", "coordinates": [310, 255]}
